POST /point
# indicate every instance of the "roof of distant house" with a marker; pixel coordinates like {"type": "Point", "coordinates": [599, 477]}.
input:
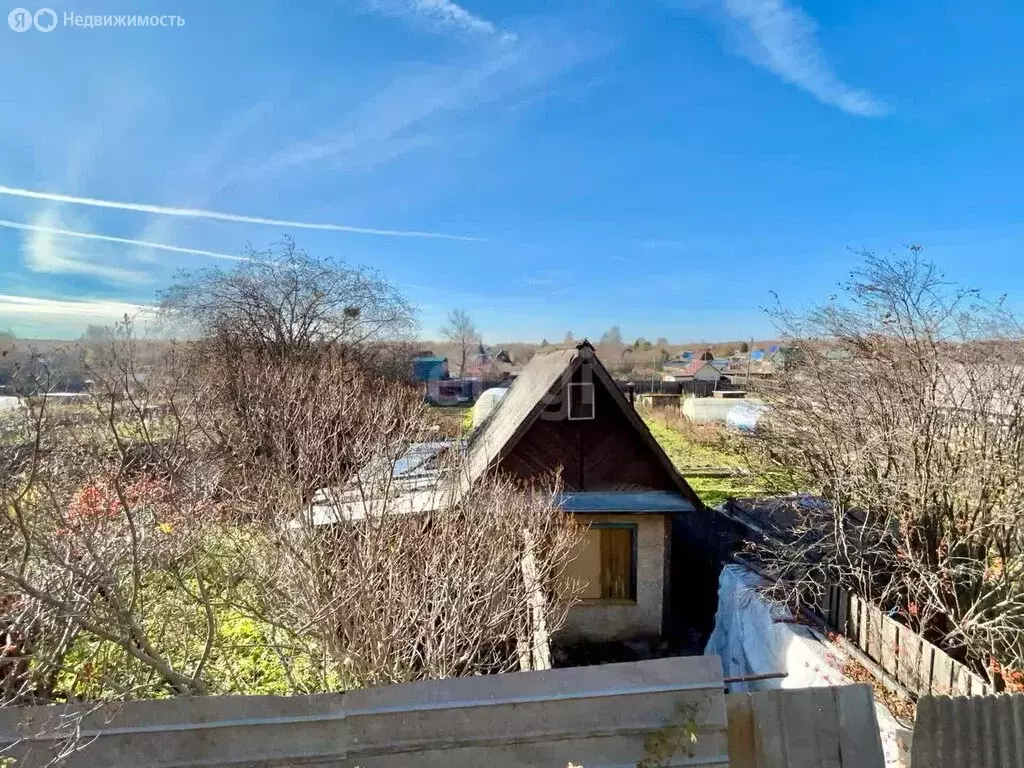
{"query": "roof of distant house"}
{"type": "Point", "coordinates": [689, 369]}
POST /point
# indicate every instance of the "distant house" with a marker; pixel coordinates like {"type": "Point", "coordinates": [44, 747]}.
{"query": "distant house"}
{"type": "Point", "coordinates": [459, 391]}
{"type": "Point", "coordinates": [491, 366]}
{"type": "Point", "coordinates": [695, 370]}
{"type": "Point", "coordinates": [428, 366]}
{"type": "Point", "coordinates": [565, 412]}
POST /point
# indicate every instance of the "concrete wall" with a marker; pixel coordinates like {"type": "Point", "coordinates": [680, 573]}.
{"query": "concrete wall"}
{"type": "Point", "coordinates": [597, 620]}
{"type": "Point", "coordinates": [589, 716]}
{"type": "Point", "coordinates": [704, 410]}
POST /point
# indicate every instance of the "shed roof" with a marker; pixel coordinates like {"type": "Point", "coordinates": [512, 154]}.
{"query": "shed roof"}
{"type": "Point", "coordinates": [690, 369]}
{"type": "Point", "coordinates": [624, 502]}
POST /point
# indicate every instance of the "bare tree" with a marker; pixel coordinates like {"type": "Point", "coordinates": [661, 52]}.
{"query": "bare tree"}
{"type": "Point", "coordinates": [612, 336]}
{"type": "Point", "coordinates": [280, 312]}
{"type": "Point", "coordinates": [905, 408]}
{"type": "Point", "coordinates": [461, 332]}
{"type": "Point", "coordinates": [286, 303]}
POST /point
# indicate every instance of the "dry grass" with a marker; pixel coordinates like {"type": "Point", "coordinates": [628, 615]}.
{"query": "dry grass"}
{"type": "Point", "coordinates": [901, 708]}
{"type": "Point", "coordinates": [450, 421]}
{"type": "Point", "coordinates": [707, 435]}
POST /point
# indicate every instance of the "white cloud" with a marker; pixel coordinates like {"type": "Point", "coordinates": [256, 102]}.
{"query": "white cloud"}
{"type": "Point", "coordinates": [439, 16]}
{"type": "Point", "coordinates": [197, 213]}
{"type": "Point", "coordinates": [22, 307]}
{"type": "Point", "coordinates": [51, 232]}
{"type": "Point", "coordinates": [45, 251]}
{"type": "Point", "coordinates": [429, 106]}
{"type": "Point", "coordinates": [782, 39]}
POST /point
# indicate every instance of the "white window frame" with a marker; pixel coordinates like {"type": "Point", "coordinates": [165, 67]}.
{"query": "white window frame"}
{"type": "Point", "coordinates": [593, 405]}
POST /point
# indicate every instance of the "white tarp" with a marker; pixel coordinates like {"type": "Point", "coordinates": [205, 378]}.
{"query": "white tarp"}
{"type": "Point", "coordinates": [744, 416]}
{"type": "Point", "coordinates": [754, 636]}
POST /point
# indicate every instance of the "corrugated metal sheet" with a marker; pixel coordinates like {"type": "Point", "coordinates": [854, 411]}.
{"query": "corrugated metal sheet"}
{"type": "Point", "coordinates": [975, 731]}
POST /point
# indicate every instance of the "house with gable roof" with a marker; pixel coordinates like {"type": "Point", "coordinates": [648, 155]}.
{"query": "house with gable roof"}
{"type": "Point", "coordinates": [648, 562]}
{"type": "Point", "coordinates": [564, 412]}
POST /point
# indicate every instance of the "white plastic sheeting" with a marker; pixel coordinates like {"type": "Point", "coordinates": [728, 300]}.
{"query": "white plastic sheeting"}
{"type": "Point", "coordinates": [754, 636]}
{"type": "Point", "coordinates": [744, 416]}
{"type": "Point", "coordinates": [486, 403]}
{"type": "Point", "coordinates": [705, 410]}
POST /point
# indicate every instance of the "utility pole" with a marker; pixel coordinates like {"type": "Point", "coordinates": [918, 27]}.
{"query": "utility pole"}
{"type": "Point", "coordinates": [750, 351]}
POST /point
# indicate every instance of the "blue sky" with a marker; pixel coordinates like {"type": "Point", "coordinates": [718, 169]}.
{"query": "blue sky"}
{"type": "Point", "coordinates": [546, 166]}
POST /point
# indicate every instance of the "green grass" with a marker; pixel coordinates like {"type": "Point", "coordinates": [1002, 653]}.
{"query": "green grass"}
{"type": "Point", "coordinates": [687, 455]}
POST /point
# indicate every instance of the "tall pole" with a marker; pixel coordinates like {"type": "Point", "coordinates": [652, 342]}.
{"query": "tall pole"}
{"type": "Point", "coordinates": [750, 351]}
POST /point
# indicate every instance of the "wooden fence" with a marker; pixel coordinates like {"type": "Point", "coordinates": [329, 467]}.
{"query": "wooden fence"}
{"type": "Point", "coordinates": [696, 388]}
{"type": "Point", "coordinates": [907, 657]}
{"type": "Point", "coordinates": [804, 727]}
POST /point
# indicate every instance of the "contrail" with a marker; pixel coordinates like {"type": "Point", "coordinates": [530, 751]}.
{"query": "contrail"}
{"type": "Point", "coordinates": [196, 213]}
{"type": "Point", "coordinates": [122, 240]}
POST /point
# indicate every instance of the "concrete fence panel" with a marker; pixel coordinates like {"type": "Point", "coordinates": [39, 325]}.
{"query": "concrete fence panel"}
{"type": "Point", "coordinates": [590, 716]}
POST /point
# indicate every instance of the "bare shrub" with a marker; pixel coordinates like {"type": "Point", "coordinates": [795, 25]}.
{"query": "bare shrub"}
{"type": "Point", "coordinates": [711, 435]}
{"type": "Point", "coordinates": [88, 530]}
{"type": "Point", "coordinates": [902, 404]}
{"type": "Point", "coordinates": [399, 596]}
{"type": "Point", "coordinates": [161, 539]}
{"type": "Point", "coordinates": [399, 572]}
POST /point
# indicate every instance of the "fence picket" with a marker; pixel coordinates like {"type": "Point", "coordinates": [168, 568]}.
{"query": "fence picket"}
{"type": "Point", "coordinates": [942, 674]}
{"type": "Point", "coordinates": [843, 610]}
{"type": "Point", "coordinates": [873, 645]}
{"type": "Point", "coordinates": [890, 636]}
{"type": "Point", "coordinates": [901, 652]}
{"type": "Point", "coordinates": [910, 652]}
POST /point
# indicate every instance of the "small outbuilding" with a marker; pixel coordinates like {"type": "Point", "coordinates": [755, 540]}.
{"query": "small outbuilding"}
{"type": "Point", "coordinates": [429, 367]}
{"type": "Point", "coordinates": [564, 412]}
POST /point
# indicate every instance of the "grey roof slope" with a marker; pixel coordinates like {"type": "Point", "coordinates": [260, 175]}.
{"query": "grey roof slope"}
{"type": "Point", "coordinates": [522, 405]}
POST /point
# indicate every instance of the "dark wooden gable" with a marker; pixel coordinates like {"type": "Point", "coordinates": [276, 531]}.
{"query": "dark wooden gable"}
{"type": "Point", "coordinates": [607, 453]}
